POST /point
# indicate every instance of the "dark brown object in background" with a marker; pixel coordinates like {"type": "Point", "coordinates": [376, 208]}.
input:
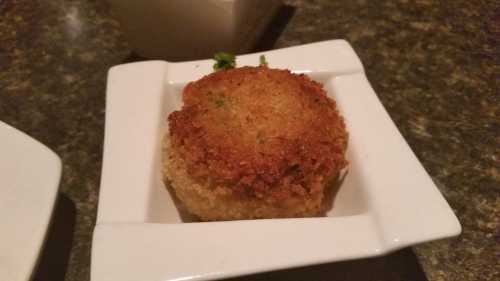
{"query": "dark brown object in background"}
{"type": "Point", "coordinates": [266, 41]}
{"type": "Point", "coordinates": [274, 29]}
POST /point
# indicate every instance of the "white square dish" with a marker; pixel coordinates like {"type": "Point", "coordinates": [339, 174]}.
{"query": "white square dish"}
{"type": "Point", "coordinates": [387, 201]}
{"type": "Point", "coordinates": [29, 180]}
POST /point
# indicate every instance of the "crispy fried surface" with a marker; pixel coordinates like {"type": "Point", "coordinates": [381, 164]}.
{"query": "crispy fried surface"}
{"type": "Point", "coordinates": [263, 133]}
{"type": "Point", "coordinates": [211, 202]}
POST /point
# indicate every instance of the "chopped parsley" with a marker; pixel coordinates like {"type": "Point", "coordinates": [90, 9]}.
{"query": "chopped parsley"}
{"type": "Point", "coordinates": [262, 60]}
{"type": "Point", "coordinates": [219, 103]}
{"type": "Point", "coordinates": [224, 61]}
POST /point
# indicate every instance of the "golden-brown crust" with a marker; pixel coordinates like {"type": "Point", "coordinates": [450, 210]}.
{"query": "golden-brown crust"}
{"type": "Point", "coordinates": [212, 202]}
{"type": "Point", "coordinates": [265, 132]}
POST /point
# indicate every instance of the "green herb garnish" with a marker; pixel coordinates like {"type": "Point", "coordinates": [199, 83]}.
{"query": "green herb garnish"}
{"type": "Point", "coordinates": [224, 61]}
{"type": "Point", "coordinates": [219, 103]}
{"type": "Point", "coordinates": [262, 60]}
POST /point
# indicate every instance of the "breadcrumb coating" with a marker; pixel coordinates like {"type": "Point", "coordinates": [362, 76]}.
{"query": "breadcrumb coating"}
{"type": "Point", "coordinates": [262, 134]}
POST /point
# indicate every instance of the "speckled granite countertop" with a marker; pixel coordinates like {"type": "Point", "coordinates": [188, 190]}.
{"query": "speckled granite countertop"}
{"type": "Point", "coordinates": [434, 64]}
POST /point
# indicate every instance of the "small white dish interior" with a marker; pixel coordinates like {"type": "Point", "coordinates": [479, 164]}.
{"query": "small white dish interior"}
{"type": "Point", "coordinates": [386, 201]}
{"type": "Point", "coordinates": [30, 174]}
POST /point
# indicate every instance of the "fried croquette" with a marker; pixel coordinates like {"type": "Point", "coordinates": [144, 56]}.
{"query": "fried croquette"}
{"type": "Point", "coordinates": [254, 142]}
